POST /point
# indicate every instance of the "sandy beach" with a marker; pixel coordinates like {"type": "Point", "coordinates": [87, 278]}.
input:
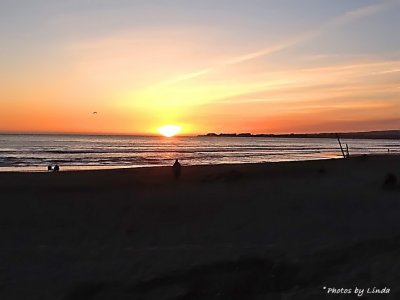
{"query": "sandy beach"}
{"type": "Point", "coordinates": [258, 231]}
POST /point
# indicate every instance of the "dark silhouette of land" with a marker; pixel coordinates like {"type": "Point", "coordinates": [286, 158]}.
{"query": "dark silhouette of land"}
{"type": "Point", "coordinates": [385, 134]}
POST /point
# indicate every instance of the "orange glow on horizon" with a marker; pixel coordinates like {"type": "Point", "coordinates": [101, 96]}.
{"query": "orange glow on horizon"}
{"type": "Point", "coordinates": [140, 77]}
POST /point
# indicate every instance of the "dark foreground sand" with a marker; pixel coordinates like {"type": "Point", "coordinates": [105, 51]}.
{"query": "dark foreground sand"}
{"type": "Point", "coordinates": [264, 231]}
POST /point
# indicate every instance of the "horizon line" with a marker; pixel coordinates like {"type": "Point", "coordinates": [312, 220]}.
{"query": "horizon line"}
{"type": "Point", "coordinates": [178, 135]}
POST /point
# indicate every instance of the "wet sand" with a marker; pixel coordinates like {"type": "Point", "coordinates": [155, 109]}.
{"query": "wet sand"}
{"type": "Point", "coordinates": [257, 231]}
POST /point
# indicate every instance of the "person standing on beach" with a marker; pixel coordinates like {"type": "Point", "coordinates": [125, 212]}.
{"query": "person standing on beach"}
{"type": "Point", "coordinates": [176, 168]}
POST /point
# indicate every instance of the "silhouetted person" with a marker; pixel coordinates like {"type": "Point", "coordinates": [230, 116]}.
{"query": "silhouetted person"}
{"type": "Point", "coordinates": [50, 168]}
{"type": "Point", "coordinates": [176, 168]}
{"type": "Point", "coordinates": [56, 168]}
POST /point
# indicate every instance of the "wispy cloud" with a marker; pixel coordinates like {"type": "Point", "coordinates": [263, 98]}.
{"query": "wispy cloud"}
{"type": "Point", "coordinates": [354, 89]}
{"type": "Point", "coordinates": [363, 12]}
{"type": "Point", "coordinates": [339, 21]}
{"type": "Point", "coordinates": [184, 77]}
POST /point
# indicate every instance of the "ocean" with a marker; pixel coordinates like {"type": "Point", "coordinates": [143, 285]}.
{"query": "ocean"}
{"type": "Point", "coordinates": [73, 152]}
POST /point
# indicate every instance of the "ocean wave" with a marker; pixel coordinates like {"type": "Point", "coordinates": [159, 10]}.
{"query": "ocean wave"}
{"type": "Point", "coordinates": [117, 151]}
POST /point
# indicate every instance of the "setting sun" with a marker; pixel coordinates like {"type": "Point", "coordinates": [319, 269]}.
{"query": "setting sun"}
{"type": "Point", "coordinates": [169, 130]}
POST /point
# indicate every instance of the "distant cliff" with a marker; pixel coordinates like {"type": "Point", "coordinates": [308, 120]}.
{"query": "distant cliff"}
{"type": "Point", "coordinates": [386, 134]}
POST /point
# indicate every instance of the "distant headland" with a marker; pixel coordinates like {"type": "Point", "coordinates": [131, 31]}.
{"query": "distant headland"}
{"type": "Point", "coordinates": [385, 134]}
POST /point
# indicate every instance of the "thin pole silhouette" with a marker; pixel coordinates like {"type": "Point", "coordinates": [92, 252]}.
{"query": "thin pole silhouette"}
{"type": "Point", "coordinates": [340, 144]}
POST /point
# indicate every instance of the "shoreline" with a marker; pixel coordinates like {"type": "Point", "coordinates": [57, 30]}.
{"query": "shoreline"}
{"type": "Point", "coordinates": [81, 168]}
{"type": "Point", "coordinates": [42, 169]}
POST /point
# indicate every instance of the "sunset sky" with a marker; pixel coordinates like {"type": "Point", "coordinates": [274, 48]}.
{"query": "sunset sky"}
{"type": "Point", "coordinates": [208, 66]}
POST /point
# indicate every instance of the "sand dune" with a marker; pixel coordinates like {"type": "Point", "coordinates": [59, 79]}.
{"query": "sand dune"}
{"type": "Point", "coordinates": [257, 231]}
